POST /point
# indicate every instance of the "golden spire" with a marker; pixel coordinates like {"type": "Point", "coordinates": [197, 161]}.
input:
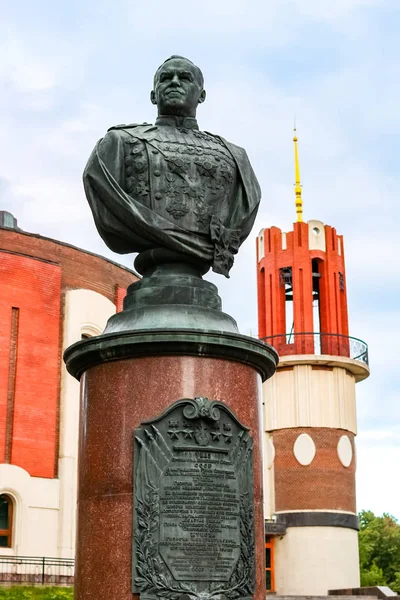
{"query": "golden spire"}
{"type": "Point", "coordinates": [297, 185]}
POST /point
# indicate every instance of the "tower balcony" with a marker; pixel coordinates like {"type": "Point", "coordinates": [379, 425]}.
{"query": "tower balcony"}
{"type": "Point", "coordinates": [324, 349]}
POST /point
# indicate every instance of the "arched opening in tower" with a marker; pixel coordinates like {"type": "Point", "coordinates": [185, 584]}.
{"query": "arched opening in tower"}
{"type": "Point", "coordinates": [316, 306]}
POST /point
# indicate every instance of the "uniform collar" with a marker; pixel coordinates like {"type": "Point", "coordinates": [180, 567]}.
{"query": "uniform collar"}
{"type": "Point", "coordinates": [175, 121]}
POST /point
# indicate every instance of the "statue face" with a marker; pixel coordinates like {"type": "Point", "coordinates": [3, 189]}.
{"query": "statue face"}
{"type": "Point", "coordinates": [177, 89]}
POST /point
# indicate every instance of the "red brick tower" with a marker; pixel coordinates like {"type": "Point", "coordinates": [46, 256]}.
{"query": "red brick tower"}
{"type": "Point", "coordinates": [309, 406]}
{"type": "Point", "coordinates": [302, 289]}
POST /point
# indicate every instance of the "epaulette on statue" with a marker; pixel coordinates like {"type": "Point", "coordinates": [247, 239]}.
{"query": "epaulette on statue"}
{"type": "Point", "coordinates": [123, 126]}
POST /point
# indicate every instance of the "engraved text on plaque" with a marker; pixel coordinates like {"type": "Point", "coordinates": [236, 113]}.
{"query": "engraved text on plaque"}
{"type": "Point", "coordinates": [193, 507]}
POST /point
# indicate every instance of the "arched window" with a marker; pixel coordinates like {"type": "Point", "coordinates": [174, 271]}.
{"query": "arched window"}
{"type": "Point", "coordinates": [6, 520]}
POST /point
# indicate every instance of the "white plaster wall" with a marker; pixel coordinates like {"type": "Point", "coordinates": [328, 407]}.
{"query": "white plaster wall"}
{"type": "Point", "coordinates": [316, 235]}
{"type": "Point", "coordinates": [41, 533]}
{"type": "Point", "coordinates": [268, 475]}
{"type": "Point", "coordinates": [303, 397]}
{"type": "Point", "coordinates": [260, 240]}
{"type": "Point", "coordinates": [312, 560]}
{"type": "Point", "coordinates": [35, 515]}
{"type": "Point", "coordinates": [85, 312]}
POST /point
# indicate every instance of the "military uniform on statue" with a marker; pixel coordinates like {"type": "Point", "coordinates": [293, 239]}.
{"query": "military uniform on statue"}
{"type": "Point", "coordinates": [190, 191]}
{"type": "Point", "coordinates": [171, 185]}
{"type": "Point", "coordinates": [171, 381]}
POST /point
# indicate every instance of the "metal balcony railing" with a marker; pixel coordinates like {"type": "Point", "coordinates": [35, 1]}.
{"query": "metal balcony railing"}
{"type": "Point", "coordinates": [333, 344]}
{"type": "Point", "coordinates": [36, 570]}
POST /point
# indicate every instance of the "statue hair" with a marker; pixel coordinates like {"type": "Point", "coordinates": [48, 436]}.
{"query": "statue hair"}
{"type": "Point", "coordinates": [199, 74]}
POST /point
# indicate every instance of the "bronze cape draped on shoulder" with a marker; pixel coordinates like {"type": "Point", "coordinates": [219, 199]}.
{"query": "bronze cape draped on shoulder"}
{"type": "Point", "coordinates": [126, 225]}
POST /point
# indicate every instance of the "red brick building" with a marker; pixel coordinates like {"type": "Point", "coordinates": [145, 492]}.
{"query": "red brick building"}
{"type": "Point", "coordinates": [51, 294]}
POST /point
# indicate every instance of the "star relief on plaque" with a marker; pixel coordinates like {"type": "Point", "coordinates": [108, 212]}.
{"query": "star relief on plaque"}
{"type": "Point", "coordinates": [200, 433]}
{"type": "Point", "coordinates": [193, 504]}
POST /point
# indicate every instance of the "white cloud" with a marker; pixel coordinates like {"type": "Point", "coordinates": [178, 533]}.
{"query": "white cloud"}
{"type": "Point", "coordinates": [22, 69]}
{"type": "Point", "coordinates": [277, 21]}
{"type": "Point", "coordinates": [331, 11]}
{"type": "Point", "coordinates": [377, 486]}
{"type": "Point", "coordinates": [371, 436]}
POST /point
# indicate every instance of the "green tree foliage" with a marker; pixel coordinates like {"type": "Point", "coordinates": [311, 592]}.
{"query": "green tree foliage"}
{"type": "Point", "coordinates": [379, 542]}
{"type": "Point", "coordinates": [39, 592]}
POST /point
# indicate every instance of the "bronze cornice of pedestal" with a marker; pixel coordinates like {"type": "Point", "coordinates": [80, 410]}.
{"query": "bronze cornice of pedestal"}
{"type": "Point", "coordinates": [174, 342]}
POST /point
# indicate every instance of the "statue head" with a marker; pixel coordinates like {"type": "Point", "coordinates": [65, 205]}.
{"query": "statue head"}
{"type": "Point", "coordinates": [178, 87]}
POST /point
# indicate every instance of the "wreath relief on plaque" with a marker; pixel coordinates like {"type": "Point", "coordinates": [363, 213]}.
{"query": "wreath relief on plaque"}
{"type": "Point", "coordinates": [193, 525]}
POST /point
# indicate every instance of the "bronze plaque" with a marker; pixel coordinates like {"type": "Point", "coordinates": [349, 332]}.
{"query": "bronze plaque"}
{"type": "Point", "coordinates": [193, 504]}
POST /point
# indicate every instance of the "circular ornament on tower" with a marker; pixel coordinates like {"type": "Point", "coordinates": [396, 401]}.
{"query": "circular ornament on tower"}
{"type": "Point", "coordinates": [345, 451]}
{"type": "Point", "coordinates": [270, 452]}
{"type": "Point", "coordinates": [304, 449]}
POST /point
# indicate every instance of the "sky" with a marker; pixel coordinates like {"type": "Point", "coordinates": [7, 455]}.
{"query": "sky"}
{"type": "Point", "coordinates": [69, 70]}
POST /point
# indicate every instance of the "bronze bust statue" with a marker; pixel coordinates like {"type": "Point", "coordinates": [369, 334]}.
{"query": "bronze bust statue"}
{"type": "Point", "coordinates": [169, 189]}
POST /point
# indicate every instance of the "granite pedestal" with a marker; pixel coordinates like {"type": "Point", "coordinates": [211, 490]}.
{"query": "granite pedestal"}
{"type": "Point", "coordinates": [131, 376]}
